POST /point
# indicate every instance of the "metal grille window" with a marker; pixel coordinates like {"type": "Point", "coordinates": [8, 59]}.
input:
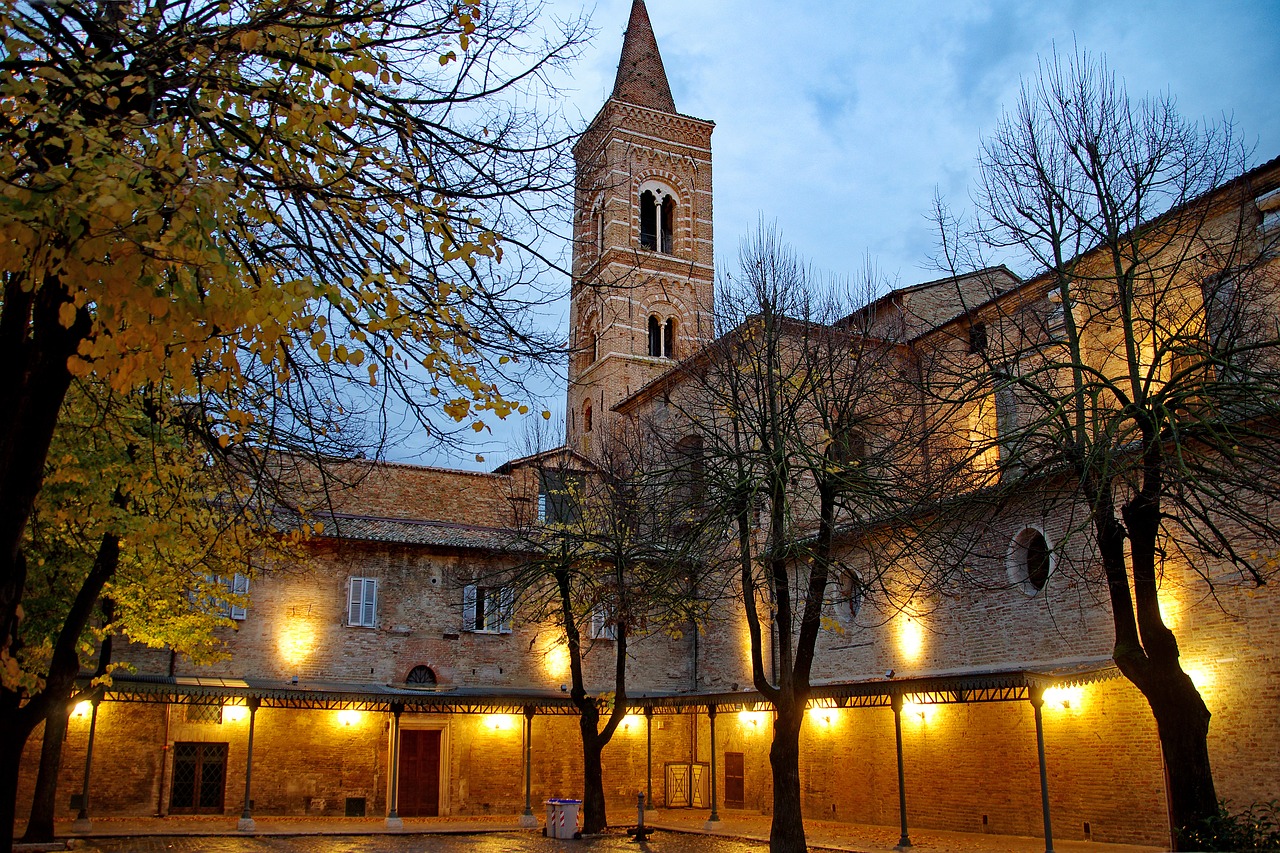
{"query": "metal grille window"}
{"type": "Point", "coordinates": [204, 714]}
{"type": "Point", "coordinates": [362, 603]}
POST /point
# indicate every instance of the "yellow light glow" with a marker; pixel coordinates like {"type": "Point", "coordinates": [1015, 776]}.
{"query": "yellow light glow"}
{"type": "Point", "coordinates": [349, 718]}
{"type": "Point", "coordinates": [500, 722]}
{"type": "Point", "coordinates": [1201, 678]}
{"type": "Point", "coordinates": [632, 723]}
{"type": "Point", "coordinates": [1170, 610]}
{"type": "Point", "coordinates": [752, 721]}
{"type": "Point", "coordinates": [296, 641]}
{"type": "Point", "coordinates": [555, 661]}
{"type": "Point", "coordinates": [823, 717]}
{"type": "Point", "coordinates": [914, 711]}
{"type": "Point", "coordinates": [910, 639]}
{"type": "Point", "coordinates": [234, 713]}
{"type": "Point", "coordinates": [1066, 698]}
{"type": "Point", "coordinates": [82, 710]}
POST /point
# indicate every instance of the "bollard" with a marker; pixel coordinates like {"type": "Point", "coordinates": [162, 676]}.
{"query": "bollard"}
{"type": "Point", "coordinates": [640, 833]}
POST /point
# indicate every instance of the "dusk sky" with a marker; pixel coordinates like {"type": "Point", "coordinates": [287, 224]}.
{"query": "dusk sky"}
{"type": "Point", "coordinates": [838, 120]}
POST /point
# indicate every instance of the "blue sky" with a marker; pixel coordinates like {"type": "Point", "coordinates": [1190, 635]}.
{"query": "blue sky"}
{"type": "Point", "coordinates": [838, 120]}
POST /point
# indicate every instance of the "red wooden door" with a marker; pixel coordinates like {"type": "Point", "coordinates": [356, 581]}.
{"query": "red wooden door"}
{"type": "Point", "coordinates": [735, 789]}
{"type": "Point", "coordinates": [419, 787]}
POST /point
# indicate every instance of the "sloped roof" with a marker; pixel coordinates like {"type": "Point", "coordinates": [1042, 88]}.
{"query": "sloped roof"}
{"type": "Point", "coordinates": [410, 531]}
{"type": "Point", "coordinates": [641, 79]}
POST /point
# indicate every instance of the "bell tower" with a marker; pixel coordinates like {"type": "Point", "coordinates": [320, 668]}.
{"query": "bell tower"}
{"type": "Point", "coordinates": [643, 259]}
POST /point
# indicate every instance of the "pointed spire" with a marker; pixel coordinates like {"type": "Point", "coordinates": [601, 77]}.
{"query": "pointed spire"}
{"type": "Point", "coordinates": [641, 78]}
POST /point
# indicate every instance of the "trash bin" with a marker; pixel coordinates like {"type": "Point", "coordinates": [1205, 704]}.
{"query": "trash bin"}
{"type": "Point", "coordinates": [567, 819]}
{"type": "Point", "coordinates": [553, 808]}
{"type": "Point", "coordinates": [562, 818]}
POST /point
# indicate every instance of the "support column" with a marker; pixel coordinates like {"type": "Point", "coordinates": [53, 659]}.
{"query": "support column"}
{"type": "Point", "coordinates": [393, 817]}
{"type": "Point", "coordinates": [904, 840]}
{"type": "Point", "coordinates": [648, 765]}
{"type": "Point", "coordinates": [528, 819]}
{"type": "Point", "coordinates": [1037, 702]}
{"type": "Point", "coordinates": [82, 822]}
{"type": "Point", "coordinates": [246, 824]}
{"type": "Point", "coordinates": [713, 822]}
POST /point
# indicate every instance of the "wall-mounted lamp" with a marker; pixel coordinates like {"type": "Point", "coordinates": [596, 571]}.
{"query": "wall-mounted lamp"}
{"type": "Point", "coordinates": [348, 718]}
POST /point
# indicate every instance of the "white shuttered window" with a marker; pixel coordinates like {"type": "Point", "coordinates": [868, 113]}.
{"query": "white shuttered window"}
{"type": "Point", "coordinates": [362, 603]}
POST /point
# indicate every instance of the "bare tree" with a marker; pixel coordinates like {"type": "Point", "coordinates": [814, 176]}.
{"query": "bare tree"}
{"type": "Point", "coordinates": [607, 569]}
{"type": "Point", "coordinates": [1138, 375]}
{"type": "Point", "coordinates": [793, 407]}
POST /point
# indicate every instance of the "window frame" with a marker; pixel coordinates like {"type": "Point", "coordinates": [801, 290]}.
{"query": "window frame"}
{"type": "Point", "coordinates": [496, 604]}
{"type": "Point", "coordinates": [367, 614]}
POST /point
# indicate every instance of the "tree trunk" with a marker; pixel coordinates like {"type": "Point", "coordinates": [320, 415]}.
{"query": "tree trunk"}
{"type": "Point", "coordinates": [1182, 720]}
{"type": "Point", "coordinates": [44, 801]}
{"type": "Point", "coordinates": [594, 818]}
{"type": "Point", "coordinates": [15, 728]}
{"type": "Point", "coordinates": [786, 835]}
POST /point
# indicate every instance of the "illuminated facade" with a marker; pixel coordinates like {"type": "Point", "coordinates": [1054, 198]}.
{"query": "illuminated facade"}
{"type": "Point", "coordinates": [395, 677]}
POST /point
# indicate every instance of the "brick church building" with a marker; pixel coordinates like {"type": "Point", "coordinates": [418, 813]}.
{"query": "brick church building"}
{"type": "Point", "coordinates": [392, 676]}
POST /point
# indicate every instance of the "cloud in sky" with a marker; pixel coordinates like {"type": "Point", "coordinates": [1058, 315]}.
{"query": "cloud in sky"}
{"type": "Point", "coordinates": [838, 120]}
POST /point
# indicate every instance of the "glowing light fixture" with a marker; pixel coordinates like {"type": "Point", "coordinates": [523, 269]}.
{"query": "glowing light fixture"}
{"type": "Point", "coordinates": [1067, 698]}
{"type": "Point", "coordinates": [751, 721]}
{"type": "Point", "coordinates": [631, 722]}
{"type": "Point", "coordinates": [82, 710]}
{"type": "Point", "coordinates": [234, 713]}
{"type": "Point", "coordinates": [917, 711]}
{"type": "Point", "coordinates": [822, 716]}
{"type": "Point", "coordinates": [349, 718]}
{"type": "Point", "coordinates": [500, 722]}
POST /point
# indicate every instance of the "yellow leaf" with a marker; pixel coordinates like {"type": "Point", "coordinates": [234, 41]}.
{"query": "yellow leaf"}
{"type": "Point", "coordinates": [67, 314]}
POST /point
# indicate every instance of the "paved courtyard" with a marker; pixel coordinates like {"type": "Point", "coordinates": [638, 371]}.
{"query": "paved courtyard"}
{"type": "Point", "coordinates": [504, 842]}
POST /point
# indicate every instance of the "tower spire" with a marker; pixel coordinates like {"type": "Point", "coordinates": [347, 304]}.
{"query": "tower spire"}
{"type": "Point", "coordinates": [641, 78]}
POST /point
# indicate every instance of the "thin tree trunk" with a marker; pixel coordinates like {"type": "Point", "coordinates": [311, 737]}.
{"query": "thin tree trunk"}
{"type": "Point", "coordinates": [15, 728]}
{"type": "Point", "coordinates": [594, 816]}
{"type": "Point", "coordinates": [44, 800]}
{"type": "Point", "coordinates": [786, 835]}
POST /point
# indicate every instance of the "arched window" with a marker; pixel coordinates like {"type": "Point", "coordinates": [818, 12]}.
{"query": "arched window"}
{"type": "Point", "coordinates": [586, 418]}
{"type": "Point", "coordinates": [668, 224]}
{"type": "Point", "coordinates": [669, 337]}
{"type": "Point", "coordinates": [422, 676]}
{"type": "Point", "coordinates": [655, 336]}
{"type": "Point", "coordinates": [657, 220]}
{"type": "Point", "coordinates": [690, 473]}
{"type": "Point", "coordinates": [648, 221]}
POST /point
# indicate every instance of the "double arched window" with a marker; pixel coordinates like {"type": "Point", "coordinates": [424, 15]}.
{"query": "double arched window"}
{"type": "Point", "coordinates": [657, 220]}
{"type": "Point", "coordinates": [662, 337]}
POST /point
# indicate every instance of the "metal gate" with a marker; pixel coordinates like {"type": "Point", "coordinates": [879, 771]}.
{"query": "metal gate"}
{"type": "Point", "coordinates": [688, 784]}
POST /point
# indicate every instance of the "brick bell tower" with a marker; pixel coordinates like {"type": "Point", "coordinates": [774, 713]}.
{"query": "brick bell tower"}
{"type": "Point", "coordinates": [643, 260]}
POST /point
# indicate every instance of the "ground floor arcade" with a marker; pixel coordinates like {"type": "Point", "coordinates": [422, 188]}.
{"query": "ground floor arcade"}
{"type": "Point", "coordinates": [1004, 753]}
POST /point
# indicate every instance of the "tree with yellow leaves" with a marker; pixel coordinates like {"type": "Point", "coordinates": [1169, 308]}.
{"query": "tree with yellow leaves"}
{"type": "Point", "coordinates": [263, 206]}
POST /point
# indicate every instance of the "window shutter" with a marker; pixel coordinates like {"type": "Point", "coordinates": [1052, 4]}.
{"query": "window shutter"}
{"type": "Point", "coordinates": [469, 608]}
{"type": "Point", "coordinates": [370, 602]}
{"type": "Point", "coordinates": [506, 604]}
{"type": "Point", "coordinates": [354, 594]}
{"type": "Point", "coordinates": [239, 586]}
{"type": "Point", "coordinates": [597, 623]}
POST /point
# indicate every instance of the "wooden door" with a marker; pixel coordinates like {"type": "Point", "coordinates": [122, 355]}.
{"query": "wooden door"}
{"type": "Point", "coordinates": [419, 785]}
{"type": "Point", "coordinates": [199, 778]}
{"type": "Point", "coordinates": [735, 791]}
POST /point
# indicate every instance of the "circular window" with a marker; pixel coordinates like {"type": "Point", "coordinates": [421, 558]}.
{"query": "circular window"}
{"type": "Point", "coordinates": [1030, 560]}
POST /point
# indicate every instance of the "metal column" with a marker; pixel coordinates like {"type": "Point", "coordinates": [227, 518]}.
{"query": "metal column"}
{"type": "Point", "coordinates": [1037, 702]}
{"type": "Point", "coordinates": [713, 822]}
{"type": "Point", "coordinates": [904, 840]}
{"type": "Point", "coordinates": [246, 824]}
{"type": "Point", "coordinates": [393, 816]}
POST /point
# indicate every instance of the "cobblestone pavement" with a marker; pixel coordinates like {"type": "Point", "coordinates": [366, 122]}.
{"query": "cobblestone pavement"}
{"type": "Point", "coordinates": [512, 842]}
